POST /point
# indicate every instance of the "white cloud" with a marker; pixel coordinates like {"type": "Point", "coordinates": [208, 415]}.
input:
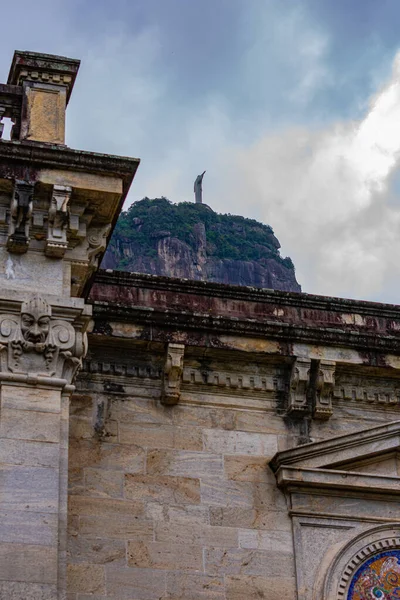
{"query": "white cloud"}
{"type": "Point", "coordinates": [117, 92]}
{"type": "Point", "coordinates": [285, 57]}
{"type": "Point", "coordinates": [328, 195]}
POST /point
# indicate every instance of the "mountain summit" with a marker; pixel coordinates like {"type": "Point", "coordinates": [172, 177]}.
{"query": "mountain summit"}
{"type": "Point", "coordinates": [192, 241]}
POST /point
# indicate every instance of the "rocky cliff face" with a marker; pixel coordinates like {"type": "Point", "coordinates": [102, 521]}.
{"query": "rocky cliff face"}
{"type": "Point", "coordinates": [141, 244]}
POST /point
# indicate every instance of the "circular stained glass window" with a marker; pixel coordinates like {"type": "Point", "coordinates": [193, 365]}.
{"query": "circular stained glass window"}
{"type": "Point", "coordinates": [378, 578]}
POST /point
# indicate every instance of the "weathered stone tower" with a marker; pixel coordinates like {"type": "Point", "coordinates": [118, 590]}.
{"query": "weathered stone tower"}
{"type": "Point", "coordinates": [57, 209]}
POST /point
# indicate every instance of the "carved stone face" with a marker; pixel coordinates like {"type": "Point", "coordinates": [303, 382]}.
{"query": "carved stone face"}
{"type": "Point", "coordinates": [35, 321]}
{"type": "Point", "coordinates": [35, 329]}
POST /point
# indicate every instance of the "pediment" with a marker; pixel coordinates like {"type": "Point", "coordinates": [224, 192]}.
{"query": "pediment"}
{"type": "Point", "coordinates": [382, 464]}
{"type": "Point", "coordinates": [367, 461]}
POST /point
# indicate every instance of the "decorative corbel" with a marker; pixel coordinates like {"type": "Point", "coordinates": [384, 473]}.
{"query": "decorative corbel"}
{"type": "Point", "coordinates": [172, 376]}
{"type": "Point", "coordinates": [20, 217]}
{"type": "Point", "coordinates": [77, 226]}
{"type": "Point", "coordinates": [97, 238]}
{"type": "Point", "coordinates": [56, 242]}
{"type": "Point", "coordinates": [323, 391]}
{"type": "Point", "coordinates": [298, 387]}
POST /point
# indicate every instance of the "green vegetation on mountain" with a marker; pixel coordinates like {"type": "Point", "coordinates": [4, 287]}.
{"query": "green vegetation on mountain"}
{"type": "Point", "coordinates": [228, 236]}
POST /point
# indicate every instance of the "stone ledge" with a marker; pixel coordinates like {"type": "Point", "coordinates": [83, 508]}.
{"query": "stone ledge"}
{"type": "Point", "coordinates": [161, 322]}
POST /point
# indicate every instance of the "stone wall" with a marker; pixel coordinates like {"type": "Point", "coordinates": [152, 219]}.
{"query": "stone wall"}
{"type": "Point", "coordinates": [171, 493]}
{"type": "Point", "coordinates": [178, 502]}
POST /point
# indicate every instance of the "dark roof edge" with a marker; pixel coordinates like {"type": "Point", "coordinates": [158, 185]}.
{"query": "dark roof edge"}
{"type": "Point", "coordinates": [158, 321]}
{"type": "Point", "coordinates": [246, 293]}
{"type": "Point", "coordinates": [39, 155]}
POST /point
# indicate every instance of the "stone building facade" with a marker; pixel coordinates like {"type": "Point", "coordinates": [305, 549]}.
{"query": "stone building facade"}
{"type": "Point", "coordinates": [171, 439]}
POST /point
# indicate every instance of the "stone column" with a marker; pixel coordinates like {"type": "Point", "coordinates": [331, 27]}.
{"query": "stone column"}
{"type": "Point", "coordinates": [39, 356]}
{"type": "Point", "coordinates": [57, 207]}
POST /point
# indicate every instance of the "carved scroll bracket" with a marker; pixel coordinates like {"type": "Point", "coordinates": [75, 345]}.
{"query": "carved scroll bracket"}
{"type": "Point", "coordinates": [97, 238]}
{"type": "Point", "coordinates": [20, 217]}
{"type": "Point", "coordinates": [298, 387]}
{"type": "Point", "coordinates": [311, 388]}
{"type": "Point", "coordinates": [173, 369]}
{"type": "Point", "coordinates": [56, 242]}
{"type": "Point", "coordinates": [323, 389]}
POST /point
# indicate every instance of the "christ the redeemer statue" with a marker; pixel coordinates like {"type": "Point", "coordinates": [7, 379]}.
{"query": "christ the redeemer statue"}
{"type": "Point", "coordinates": [198, 188]}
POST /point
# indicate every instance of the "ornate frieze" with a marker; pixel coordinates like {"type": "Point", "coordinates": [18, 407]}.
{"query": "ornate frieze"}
{"type": "Point", "coordinates": [44, 68]}
{"type": "Point", "coordinates": [233, 380]}
{"type": "Point", "coordinates": [172, 377]}
{"type": "Point", "coordinates": [45, 77]}
{"type": "Point", "coordinates": [303, 398]}
{"type": "Point", "coordinates": [228, 380]}
{"type": "Point", "coordinates": [35, 343]}
{"type": "Point", "coordinates": [368, 390]}
{"type": "Point", "coordinates": [122, 370]}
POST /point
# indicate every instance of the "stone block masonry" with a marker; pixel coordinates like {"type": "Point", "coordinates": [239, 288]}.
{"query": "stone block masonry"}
{"type": "Point", "coordinates": [187, 523]}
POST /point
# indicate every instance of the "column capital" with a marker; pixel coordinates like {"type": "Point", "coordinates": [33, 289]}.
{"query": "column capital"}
{"type": "Point", "coordinates": [39, 347]}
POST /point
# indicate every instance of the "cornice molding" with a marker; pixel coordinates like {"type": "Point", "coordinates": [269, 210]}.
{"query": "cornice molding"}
{"type": "Point", "coordinates": [287, 333]}
{"type": "Point", "coordinates": [220, 290]}
{"type": "Point", "coordinates": [36, 155]}
{"type": "Point", "coordinates": [341, 449]}
{"type": "Point", "coordinates": [302, 478]}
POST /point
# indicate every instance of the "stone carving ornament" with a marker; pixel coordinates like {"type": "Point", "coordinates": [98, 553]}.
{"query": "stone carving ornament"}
{"type": "Point", "coordinates": [173, 370]}
{"type": "Point", "coordinates": [34, 343]}
{"type": "Point", "coordinates": [20, 217]}
{"type": "Point", "coordinates": [324, 388]}
{"type": "Point", "coordinates": [298, 386]}
{"type": "Point", "coordinates": [312, 382]}
{"type": "Point", "coordinates": [97, 239]}
{"type": "Point", "coordinates": [58, 218]}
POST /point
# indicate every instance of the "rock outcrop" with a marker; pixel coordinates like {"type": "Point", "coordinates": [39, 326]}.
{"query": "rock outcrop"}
{"type": "Point", "coordinates": [209, 251]}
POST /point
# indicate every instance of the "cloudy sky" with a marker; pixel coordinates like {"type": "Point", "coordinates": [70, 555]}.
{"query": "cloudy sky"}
{"type": "Point", "coordinates": [292, 107]}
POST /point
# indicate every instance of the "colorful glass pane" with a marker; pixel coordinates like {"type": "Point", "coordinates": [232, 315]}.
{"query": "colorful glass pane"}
{"type": "Point", "coordinates": [378, 578]}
